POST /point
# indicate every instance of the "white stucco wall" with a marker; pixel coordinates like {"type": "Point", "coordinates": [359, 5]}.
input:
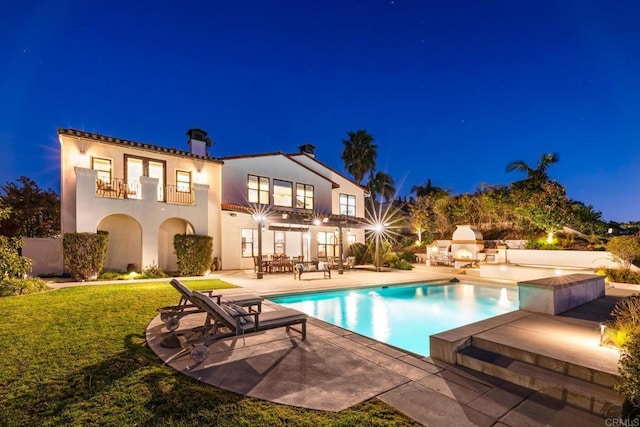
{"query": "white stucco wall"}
{"type": "Point", "coordinates": [276, 166]}
{"type": "Point", "coordinates": [82, 210]}
{"type": "Point", "coordinates": [46, 255]}
{"type": "Point", "coordinates": [577, 259]}
{"type": "Point", "coordinates": [346, 186]}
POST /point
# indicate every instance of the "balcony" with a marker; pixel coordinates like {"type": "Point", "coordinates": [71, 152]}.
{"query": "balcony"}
{"type": "Point", "coordinates": [118, 188]}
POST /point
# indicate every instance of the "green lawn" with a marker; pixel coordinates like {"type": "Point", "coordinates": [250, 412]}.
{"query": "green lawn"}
{"type": "Point", "coordinates": [77, 356]}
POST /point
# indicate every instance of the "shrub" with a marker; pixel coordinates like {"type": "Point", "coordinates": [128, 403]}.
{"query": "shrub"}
{"type": "Point", "coordinates": [14, 286]}
{"type": "Point", "coordinates": [194, 253]}
{"type": "Point", "coordinates": [111, 275]}
{"type": "Point", "coordinates": [402, 264]}
{"type": "Point", "coordinates": [625, 248]}
{"type": "Point", "coordinates": [12, 265]}
{"type": "Point", "coordinates": [620, 275]}
{"type": "Point", "coordinates": [407, 256]}
{"type": "Point", "coordinates": [626, 315]}
{"type": "Point", "coordinates": [629, 372]}
{"type": "Point", "coordinates": [357, 250]}
{"type": "Point", "coordinates": [153, 272]}
{"type": "Point", "coordinates": [84, 253]}
{"type": "Point", "coordinates": [618, 333]}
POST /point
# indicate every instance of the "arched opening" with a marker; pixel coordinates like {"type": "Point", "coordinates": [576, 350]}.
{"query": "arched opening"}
{"type": "Point", "coordinates": [125, 242]}
{"type": "Point", "coordinates": [167, 259]}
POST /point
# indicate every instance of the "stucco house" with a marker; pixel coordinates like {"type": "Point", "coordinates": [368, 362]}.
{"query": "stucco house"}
{"type": "Point", "coordinates": [144, 194]}
{"type": "Point", "coordinates": [306, 208]}
{"type": "Point", "coordinates": [140, 193]}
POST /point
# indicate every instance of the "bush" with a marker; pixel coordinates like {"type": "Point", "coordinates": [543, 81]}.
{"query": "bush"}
{"type": "Point", "coordinates": [402, 264]}
{"type": "Point", "coordinates": [629, 372]}
{"type": "Point", "coordinates": [84, 253]}
{"type": "Point", "coordinates": [626, 323]}
{"type": "Point", "coordinates": [194, 253]}
{"type": "Point", "coordinates": [15, 286]}
{"type": "Point", "coordinates": [153, 272]}
{"type": "Point", "coordinates": [625, 248]}
{"type": "Point", "coordinates": [111, 275]}
{"type": "Point", "coordinates": [407, 256]}
{"type": "Point", "coordinates": [620, 275]}
{"type": "Point", "coordinates": [12, 265]}
{"type": "Point", "coordinates": [357, 250]}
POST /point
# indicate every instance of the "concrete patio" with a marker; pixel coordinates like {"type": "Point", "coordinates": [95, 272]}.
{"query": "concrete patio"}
{"type": "Point", "coordinates": [335, 368]}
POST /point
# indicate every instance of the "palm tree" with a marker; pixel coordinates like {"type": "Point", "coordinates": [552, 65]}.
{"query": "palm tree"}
{"type": "Point", "coordinates": [359, 154]}
{"type": "Point", "coordinates": [540, 172]}
{"type": "Point", "coordinates": [381, 184]}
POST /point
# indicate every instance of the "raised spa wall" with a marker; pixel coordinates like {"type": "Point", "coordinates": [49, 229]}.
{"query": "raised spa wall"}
{"type": "Point", "coordinates": [553, 295]}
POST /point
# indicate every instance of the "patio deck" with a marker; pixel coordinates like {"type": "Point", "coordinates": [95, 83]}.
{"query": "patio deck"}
{"type": "Point", "coordinates": [335, 368]}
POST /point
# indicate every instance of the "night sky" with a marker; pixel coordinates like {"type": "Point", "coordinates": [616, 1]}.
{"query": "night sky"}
{"type": "Point", "coordinates": [450, 90]}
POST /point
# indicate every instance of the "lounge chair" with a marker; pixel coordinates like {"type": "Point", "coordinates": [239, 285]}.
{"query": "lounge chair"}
{"type": "Point", "coordinates": [172, 314]}
{"type": "Point", "coordinates": [236, 322]}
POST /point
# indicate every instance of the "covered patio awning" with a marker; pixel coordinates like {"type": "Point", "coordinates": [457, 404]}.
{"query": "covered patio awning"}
{"type": "Point", "coordinates": [298, 219]}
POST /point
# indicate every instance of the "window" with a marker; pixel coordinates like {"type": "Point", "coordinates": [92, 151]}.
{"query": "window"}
{"type": "Point", "coordinates": [278, 243]}
{"type": "Point", "coordinates": [282, 193]}
{"type": "Point", "coordinates": [347, 204]}
{"type": "Point", "coordinates": [183, 181]}
{"type": "Point", "coordinates": [327, 244]}
{"type": "Point", "coordinates": [304, 196]}
{"type": "Point", "coordinates": [258, 189]}
{"type": "Point", "coordinates": [249, 242]}
{"type": "Point", "coordinates": [103, 166]}
{"type": "Point", "coordinates": [139, 166]}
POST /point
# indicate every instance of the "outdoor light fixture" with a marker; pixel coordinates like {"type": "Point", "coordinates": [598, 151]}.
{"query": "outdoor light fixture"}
{"type": "Point", "coordinates": [316, 222]}
{"type": "Point", "coordinates": [602, 328]}
{"type": "Point", "coordinates": [325, 219]}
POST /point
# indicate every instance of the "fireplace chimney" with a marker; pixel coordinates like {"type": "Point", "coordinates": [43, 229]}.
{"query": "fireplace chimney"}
{"type": "Point", "coordinates": [308, 149]}
{"type": "Point", "coordinates": [199, 142]}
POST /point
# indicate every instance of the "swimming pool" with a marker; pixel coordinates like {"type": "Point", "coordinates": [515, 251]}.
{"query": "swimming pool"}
{"type": "Point", "coordinates": [405, 316]}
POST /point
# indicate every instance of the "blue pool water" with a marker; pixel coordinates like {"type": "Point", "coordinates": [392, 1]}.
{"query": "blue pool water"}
{"type": "Point", "coordinates": [405, 316]}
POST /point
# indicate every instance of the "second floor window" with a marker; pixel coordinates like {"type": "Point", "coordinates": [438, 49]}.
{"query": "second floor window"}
{"type": "Point", "coordinates": [282, 193]}
{"type": "Point", "coordinates": [258, 189]}
{"type": "Point", "coordinates": [347, 204]}
{"type": "Point", "coordinates": [103, 168]}
{"type": "Point", "coordinates": [183, 181]}
{"type": "Point", "coordinates": [304, 196]}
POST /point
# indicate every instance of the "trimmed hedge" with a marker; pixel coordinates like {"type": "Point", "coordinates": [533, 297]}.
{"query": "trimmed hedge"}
{"type": "Point", "coordinates": [84, 253]}
{"type": "Point", "coordinates": [194, 253]}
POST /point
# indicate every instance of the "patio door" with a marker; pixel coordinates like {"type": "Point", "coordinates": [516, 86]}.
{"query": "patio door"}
{"type": "Point", "coordinates": [137, 167]}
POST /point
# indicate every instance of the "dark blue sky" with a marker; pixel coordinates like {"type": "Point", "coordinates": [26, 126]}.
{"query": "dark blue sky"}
{"type": "Point", "coordinates": [451, 90]}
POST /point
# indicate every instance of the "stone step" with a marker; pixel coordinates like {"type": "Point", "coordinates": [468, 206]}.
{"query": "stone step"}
{"type": "Point", "coordinates": [606, 379]}
{"type": "Point", "coordinates": [592, 397]}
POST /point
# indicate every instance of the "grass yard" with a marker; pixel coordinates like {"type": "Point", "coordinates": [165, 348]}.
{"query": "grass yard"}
{"type": "Point", "coordinates": [77, 356]}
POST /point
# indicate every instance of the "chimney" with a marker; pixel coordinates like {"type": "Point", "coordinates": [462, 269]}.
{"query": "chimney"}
{"type": "Point", "coordinates": [199, 142]}
{"type": "Point", "coordinates": [308, 149]}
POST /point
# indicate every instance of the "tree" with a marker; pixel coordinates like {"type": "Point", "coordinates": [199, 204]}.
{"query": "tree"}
{"type": "Point", "coordinates": [381, 185]}
{"type": "Point", "coordinates": [35, 212]}
{"type": "Point", "coordinates": [359, 154]}
{"type": "Point", "coordinates": [421, 216]}
{"type": "Point", "coordinates": [539, 174]}
{"type": "Point", "coordinates": [626, 248]}
{"type": "Point", "coordinates": [427, 189]}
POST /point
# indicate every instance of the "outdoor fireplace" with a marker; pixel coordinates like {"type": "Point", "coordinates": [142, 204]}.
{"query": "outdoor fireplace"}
{"type": "Point", "coordinates": [467, 246]}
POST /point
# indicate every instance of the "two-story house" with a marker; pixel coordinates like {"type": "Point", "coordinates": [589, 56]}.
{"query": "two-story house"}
{"type": "Point", "coordinates": [143, 195]}
{"type": "Point", "coordinates": [294, 204]}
